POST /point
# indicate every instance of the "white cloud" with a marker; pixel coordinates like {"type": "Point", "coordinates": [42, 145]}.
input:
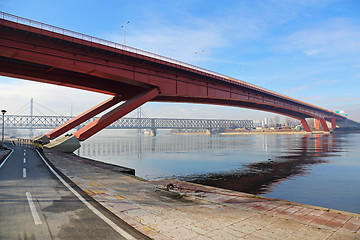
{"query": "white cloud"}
{"type": "Point", "coordinates": [177, 42]}
{"type": "Point", "coordinates": [331, 38]}
{"type": "Point", "coordinates": [15, 93]}
{"type": "Point", "coordinates": [327, 82]}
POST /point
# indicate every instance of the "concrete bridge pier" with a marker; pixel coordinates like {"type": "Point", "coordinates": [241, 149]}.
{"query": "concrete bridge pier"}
{"type": "Point", "coordinates": [209, 131]}
{"type": "Point", "coordinates": [153, 132]}
{"type": "Point", "coordinates": [43, 138]}
{"type": "Point", "coordinates": [68, 144]}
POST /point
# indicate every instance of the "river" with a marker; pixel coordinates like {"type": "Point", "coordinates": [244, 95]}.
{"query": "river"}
{"type": "Point", "coordinates": [321, 170]}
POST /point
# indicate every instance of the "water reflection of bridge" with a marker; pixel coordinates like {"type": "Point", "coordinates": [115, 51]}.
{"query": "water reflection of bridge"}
{"type": "Point", "coordinates": [272, 166]}
{"type": "Point", "coordinates": [259, 177]}
{"type": "Point", "coordinates": [114, 145]}
{"type": "Point", "coordinates": [109, 146]}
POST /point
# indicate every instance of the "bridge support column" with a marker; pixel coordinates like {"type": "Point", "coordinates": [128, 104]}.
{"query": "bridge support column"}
{"type": "Point", "coordinates": [104, 121]}
{"type": "Point", "coordinates": [153, 129]}
{"type": "Point", "coordinates": [316, 123]}
{"type": "Point", "coordinates": [324, 125]}
{"type": "Point", "coordinates": [83, 117]}
{"type": "Point", "coordinates": [333, 123]}
{"type": "Point", "coordinates": [153, 132]}
{"type": "Point", "coordinates": [305, 125]}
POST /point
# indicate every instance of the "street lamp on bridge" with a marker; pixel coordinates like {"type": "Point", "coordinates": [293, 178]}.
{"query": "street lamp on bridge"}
{"type": "Point", "coordinates": [124, 26]}
{"type": "Point", "coordinates": [3, 124]}
{"type": "Point", "coordinates": [198, 53]}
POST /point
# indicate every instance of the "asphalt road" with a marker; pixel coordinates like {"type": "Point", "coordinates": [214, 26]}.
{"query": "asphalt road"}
{"type": "Point", "coordinates": [35, 204]}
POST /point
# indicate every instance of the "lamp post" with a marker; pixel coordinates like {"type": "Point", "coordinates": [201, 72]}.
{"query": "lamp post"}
{"type": "Point", "coordinates": [198, 53]}
{"type": "Point", "coordinates": [3, 124]}
{"type": "Point", "coordinates": [124, 26]}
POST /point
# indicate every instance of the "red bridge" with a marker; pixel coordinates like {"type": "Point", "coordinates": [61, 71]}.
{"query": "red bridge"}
{"type": "Point", "coordinates": [39, 52]}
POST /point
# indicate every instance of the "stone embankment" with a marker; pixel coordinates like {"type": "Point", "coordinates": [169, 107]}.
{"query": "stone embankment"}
{"type": "Point", "coordinates": [171, 209]}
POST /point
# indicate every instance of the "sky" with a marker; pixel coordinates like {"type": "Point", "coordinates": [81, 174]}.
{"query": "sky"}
{"type": "Point", "coordinates": [308, 50]}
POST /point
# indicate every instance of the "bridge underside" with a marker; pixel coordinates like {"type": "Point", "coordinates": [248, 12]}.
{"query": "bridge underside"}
{"type": "Point", "coordinates": [46, 56]}
{"type": "Point", "coordinates": [123, 91]}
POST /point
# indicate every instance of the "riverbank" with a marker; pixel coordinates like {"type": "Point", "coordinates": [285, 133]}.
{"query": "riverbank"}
{"type": "Point", "coordinates": [171, 209]}
{"type": "Point", "coordinates": [268, 132]}
{"type": "Point", "coordinates": [265, 132]}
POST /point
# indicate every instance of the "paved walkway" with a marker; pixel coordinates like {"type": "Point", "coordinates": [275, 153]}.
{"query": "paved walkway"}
{"type": "Point", "coordinates": [173, 209]}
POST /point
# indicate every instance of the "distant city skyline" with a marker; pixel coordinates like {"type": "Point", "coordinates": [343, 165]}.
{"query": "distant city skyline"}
{"type": "Point", "coordinates": [308, 50]}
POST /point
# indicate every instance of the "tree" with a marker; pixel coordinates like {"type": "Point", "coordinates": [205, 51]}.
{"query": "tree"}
{"type": "Point", "coordinates": [276, 121]}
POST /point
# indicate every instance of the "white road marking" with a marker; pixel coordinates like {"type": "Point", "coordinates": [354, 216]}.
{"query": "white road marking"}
{"type": "Point", "coordinates": [24, 153]}
{"type": "Point", "coordinates": [93, 209]}
{"type": "Point", "coordinates": [24, 172]}
{"type": "Point", "coordinates": [34, 213]}
{"type": "Point", "coordinates": [6, 158]}
{"type": "Point", "coordinates": [24, 160]}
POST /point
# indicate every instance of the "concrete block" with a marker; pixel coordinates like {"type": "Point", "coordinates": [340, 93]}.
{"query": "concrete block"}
{"type": "Point", "coordinates": [66, 144]}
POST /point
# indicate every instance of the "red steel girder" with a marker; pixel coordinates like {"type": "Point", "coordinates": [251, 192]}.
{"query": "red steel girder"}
{"type": "Point", "coordinates": [104, 121]}
{"type": "Point", "coordinates": [297, 114]}
{"type": "Point", "coordinates": [324, 125]}
{"type": "Point", "coordinates": [41, 73]}
{"type": "Point", "coordinates": [83, 117]}
{"type": "Point", "coordinates": [333, 123]}
{"type": "Point", "coordinates": [317, 123]}
{"type": "Point", "coordinates": [305, 125]}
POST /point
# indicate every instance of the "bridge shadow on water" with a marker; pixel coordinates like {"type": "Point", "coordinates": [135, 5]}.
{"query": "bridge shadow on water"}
{"type": "Point", "coordinates": [260, 177]}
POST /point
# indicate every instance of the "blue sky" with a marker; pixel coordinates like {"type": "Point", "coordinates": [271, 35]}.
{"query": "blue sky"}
{"type": "Point", "coordinates": [309, 50]}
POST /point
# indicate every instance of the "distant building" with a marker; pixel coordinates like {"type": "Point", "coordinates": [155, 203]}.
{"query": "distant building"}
{"type": "Point", "coordinates": [258, 123]}
{"type": "Point", "coordinates": [266, 122]}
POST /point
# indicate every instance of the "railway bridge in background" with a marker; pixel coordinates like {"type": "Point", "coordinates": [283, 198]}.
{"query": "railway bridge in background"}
{"type": "Point", "coordinates": [51, 122]}
{"type": "Point", "coordinates": [40, 52]}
